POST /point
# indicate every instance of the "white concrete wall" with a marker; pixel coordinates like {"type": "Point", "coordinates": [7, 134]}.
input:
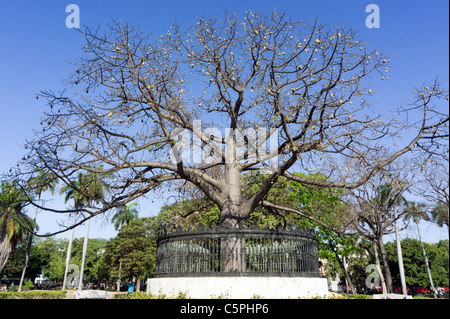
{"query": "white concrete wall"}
{"type": "Point", "coordinates": [240, 287]}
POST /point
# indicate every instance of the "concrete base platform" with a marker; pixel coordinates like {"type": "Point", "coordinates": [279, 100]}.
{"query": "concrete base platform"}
{"type": "Point", "coordinates": [91, 294]}
{"type": "Point", "coordinates": [240, 287]}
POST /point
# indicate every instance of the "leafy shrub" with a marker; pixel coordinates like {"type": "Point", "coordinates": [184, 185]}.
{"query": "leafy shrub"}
{"type": "Point", "coordinates": [33, 295]}
{"type": "Point", "coordinates": [349, 296]}
{"type": "Point", "coordinates": [357, 296]}
{"type": "Point", "coordinates": [144, 295]}
{"type": "Point", "coordinates": [27, 285]}
{"type": "Point", "coordinates": [140, 295]}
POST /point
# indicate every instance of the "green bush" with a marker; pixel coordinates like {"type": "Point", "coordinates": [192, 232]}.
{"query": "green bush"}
{"type": "Point", "coordinates": [357, 296]}
{"type": "Point", "coordinates": [349, 296]}
{"type": "Point", "coordinates": [35, 294]}
{"type": "Point", "coordinates": [140, 295]}
{"type": "Point", "coordinates": [144, 295]}
{"type": "Point", "coordinates": [27, 285]}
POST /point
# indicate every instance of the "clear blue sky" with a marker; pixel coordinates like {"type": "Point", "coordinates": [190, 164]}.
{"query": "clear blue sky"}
{"type": "Point", "coordinates": [36, 46]}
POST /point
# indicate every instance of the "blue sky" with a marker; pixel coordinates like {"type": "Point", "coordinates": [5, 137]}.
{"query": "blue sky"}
{"type": "Point", "coordinates": [37, 46]}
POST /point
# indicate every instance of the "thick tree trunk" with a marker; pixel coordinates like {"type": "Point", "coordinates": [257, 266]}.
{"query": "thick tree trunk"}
{"type": "Point", "coordinates": [387, 269]}
{"type": "Point", "coordinates": [233, 213]}
{"type": "Point", "coordinates": [6, 248]}
{"type": "Point", "coordinates": [232, 255]}
{"type": "Point", "coordinates": [377, 264]}
{"type": "Point", "coordinates": [138, 283]}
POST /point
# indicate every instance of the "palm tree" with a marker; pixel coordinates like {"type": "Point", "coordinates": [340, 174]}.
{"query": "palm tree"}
{"type": "Point", "coordinates": [94, 189]}
{"type": "Point", "coordinates": [14, 224]}
{"type": "Point", "coordinates": [45, 181]}
{"type": "Point", "coordinates": [124, 215]}
{"type": "Point", "coordinates": [439, 214]}
{"type": "Point", "coordinates": [72, 193]}
{"type": "Point", "coordinates": [390, 196]}
{"type": "Point", "coordinates": [89, 188]}
{"type": "Point", "coordinates": [417, 212]}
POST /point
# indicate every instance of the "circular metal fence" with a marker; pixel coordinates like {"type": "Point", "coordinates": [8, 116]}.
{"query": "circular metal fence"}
{"type": "Point", "coordinates": [236, 252]}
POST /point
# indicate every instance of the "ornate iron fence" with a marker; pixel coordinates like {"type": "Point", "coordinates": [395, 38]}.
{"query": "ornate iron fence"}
{"type": "Point", "coordinates": [230, 252]}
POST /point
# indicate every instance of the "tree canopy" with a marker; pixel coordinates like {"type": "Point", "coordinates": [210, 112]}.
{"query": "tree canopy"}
{"type": "Point", "coordinates": [415, 271]}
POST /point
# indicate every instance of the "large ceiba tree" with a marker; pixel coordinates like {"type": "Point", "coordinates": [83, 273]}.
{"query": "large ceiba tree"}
{"type": "Point", "coordinates": [206, 103]}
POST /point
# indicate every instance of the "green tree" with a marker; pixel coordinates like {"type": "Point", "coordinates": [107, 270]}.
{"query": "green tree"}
{"type": "Point", "coordinates": [57, 249]}
{"type": "Point", "coordinates": [440, 214]}
{"type": "Point", "coordinates": [438, 255]}
{"type": "Point", "coordinates": [132, 253]}
{"type": "Point", "coordinates": [49, 251]}
{"type": "Point", "coordinates": [415, 268]}
{"type": "Point", "coordinates": [433, 186]}
{"type": "Point", "coordinates": [88, 189]}
{"type": "Point", "coordinates": [326, 213]}
{"type": "Point", "coordinates": [389, 199]}
{"type": "Point", "coordinates": [14, 223]}
{"type": "Point", "coordinates": [94, 251]}
{"type": "Point", "coordinates": [44, 181]}
{"type": "Point", "coordinates": [94, 188]}
{"type": "Point", "coordinates": [47, 257]}
{"type": "Point", "coordinates": [72, 191]}
{"type": "Point", "coordinates": [38, 260]}
{"type": "Point", "coordinates": [417, 212]}
{"type": "Point", "coordinates": [124, 215]}
{"type": "Point", "coordinates": [375, 207]}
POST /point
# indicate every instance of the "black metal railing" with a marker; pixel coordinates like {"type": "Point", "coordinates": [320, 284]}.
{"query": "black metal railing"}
{"type": "Point", "coordinates": [229, 252]}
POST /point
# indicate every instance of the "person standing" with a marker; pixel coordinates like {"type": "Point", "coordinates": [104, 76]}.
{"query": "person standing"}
{"type": "Point", "coordinates": [130, 288]}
